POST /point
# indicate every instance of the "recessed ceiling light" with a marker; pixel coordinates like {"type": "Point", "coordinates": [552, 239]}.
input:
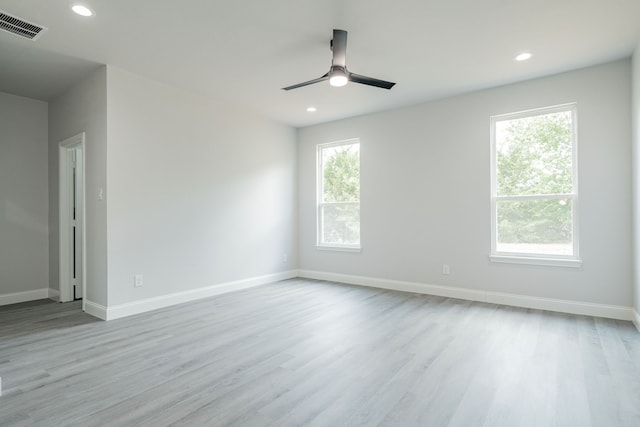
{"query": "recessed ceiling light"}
{"type": "Point", "coordinates": [312, 109]}
{"type": "Point", "coordinates": [82, 10]}
{"type": "Point", "coordinates": [523, 56]}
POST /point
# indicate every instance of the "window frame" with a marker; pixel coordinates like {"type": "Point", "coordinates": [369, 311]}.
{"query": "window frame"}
{"type": "Point", "coordinates": [533, 258]}
{"type": "Point", "coordinates": [320, 203]}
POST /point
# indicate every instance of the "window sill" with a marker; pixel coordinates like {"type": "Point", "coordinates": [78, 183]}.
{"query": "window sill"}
{"type": "Point", "coordinates": [549, 262]}
{"type": "Point", "coordinates": [339, 248]}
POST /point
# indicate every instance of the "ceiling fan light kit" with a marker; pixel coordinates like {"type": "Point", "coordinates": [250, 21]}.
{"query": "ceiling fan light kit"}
{"type": "Point", "coordinates": [338, 74]}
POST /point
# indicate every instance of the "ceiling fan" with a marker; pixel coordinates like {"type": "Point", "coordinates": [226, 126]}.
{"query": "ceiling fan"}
{"type": "Point", "coordinates": [338, 75]}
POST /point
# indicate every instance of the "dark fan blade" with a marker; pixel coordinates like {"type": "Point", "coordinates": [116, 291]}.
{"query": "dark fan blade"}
{"type": "Point", "coordinates": [310, 82]}
{"type": "Point", "coordinates": [339, 47]}
{"type": "Point", "coordinates": [370, 81]}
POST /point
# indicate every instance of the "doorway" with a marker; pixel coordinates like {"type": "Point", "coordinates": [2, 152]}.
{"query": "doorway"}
{"type": "Point", "coordinates": [72, 218]}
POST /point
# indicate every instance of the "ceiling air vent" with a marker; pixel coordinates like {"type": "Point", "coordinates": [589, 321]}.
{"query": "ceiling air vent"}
{"type": "Point", "coordinates": [19, 26]}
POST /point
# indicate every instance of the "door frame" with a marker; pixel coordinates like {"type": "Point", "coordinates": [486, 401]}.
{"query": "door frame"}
{"type": "Point", "coordinates": [64, 204]}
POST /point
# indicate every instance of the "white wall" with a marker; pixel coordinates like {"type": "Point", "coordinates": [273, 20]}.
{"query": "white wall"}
{"type": "Point", "coordinates": [425, 187]}
{"type": "Point", "coordinates": [199, 193]}
{"type": "Point", "coordinates": [82, 109]}
{"type": "Point", "coordinates": [24, 240]}
{"type": "Point", "coordinates": [636, 181]}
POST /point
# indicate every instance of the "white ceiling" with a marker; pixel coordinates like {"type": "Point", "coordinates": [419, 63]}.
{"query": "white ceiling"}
{"type": "Point", "coordinates": [244, 51]}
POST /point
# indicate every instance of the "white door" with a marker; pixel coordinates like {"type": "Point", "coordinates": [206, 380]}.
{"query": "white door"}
{"type": "Point", "coordinates": [76, 220]}
{"type": "Point", "coordinates": [72, 208]}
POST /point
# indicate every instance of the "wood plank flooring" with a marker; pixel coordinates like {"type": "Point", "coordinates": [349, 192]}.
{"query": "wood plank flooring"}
{"type": "Point", "coordinates": [310, 353]}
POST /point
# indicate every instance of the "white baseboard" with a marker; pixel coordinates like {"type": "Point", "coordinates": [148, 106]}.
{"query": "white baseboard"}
{"type": "Point", "coordinates": [95, 309]}
{"type": "Point", "coordinates": [16, 297]}
{"type": "Point", "coordinates": [563, 306]}
{"type": "Point", "coordinates": [53, 294]}
{"type": "Point", "coordinates": [636, 319]}
{"type": "Point", "coordinates": [142, 306]}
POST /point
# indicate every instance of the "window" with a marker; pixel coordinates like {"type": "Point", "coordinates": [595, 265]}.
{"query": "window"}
{"type": "Point", "coordinates": [534, 187]}
{"type": "Point", "coordinates": [339, 195]}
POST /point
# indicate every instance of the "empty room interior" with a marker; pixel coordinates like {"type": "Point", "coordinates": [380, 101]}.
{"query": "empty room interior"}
{"type": "Point", "coordinates": [320, 213]}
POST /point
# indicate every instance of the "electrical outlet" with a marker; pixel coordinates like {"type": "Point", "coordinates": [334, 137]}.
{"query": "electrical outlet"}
{"type": "Point", "coordinates": [137, 280]}
{"type": "Point", "coordinates": [285, 258]}
{"type": "Point", "coordinates": [445, 269]}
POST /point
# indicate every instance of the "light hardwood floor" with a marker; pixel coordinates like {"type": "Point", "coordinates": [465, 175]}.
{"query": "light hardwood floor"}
{"type": "Point", "coordinates": [311, 353]}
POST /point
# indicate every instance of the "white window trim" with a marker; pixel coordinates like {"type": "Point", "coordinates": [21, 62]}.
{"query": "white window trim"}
{"type": "Point", "coordinates": [527, 258]}
{"type": "Point", "coordinates": [320, 204]}
{"type": "Point", "coordinates": [339, 248]}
